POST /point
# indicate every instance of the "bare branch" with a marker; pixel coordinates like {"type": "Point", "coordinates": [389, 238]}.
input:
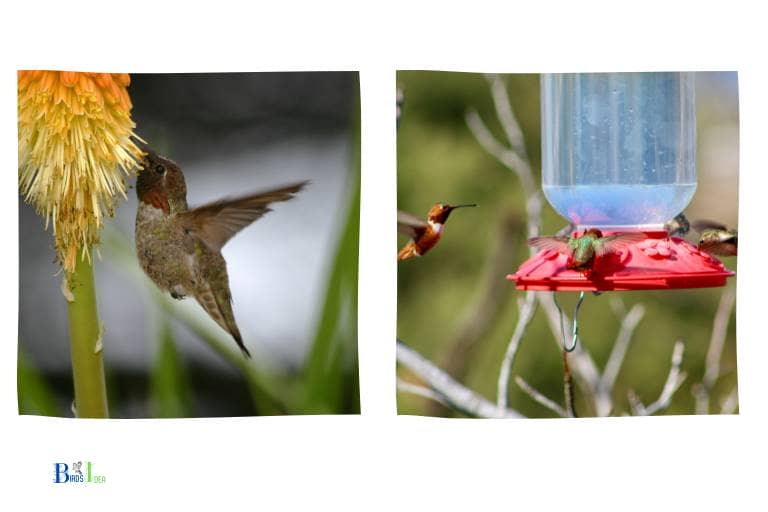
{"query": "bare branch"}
{"type": "Point", "coordinates": [603, 399]}
{"type": "Point", "coordinates": [617, 305]}
{"type": "Point", "coordinates": [506, 116]}
{"type": "Point", "coordinates": [585, 369]}
{"type": "Point", "coordinates": [514, 162]}
{"type": "Point", "coordinates": [538, 397]}
{"type": "Point", "coordinates": [719, 332]}
{"type": "Point", "coordinates": [638, 409]}
{"type": "Point", "coordinates": [526, 310]}
{"type": "Point", "coordinates": [731, 402]}
{"type": "Point", "coordinates": [715, 351]}
{"type": "Point", "coordinates": [506, 156]}
{"type": "Point", "coordinates": [701, 396]}
{"type": "Point", "coordinates": [674, 380]}
{"type": "Point", "coordinates": [456, 395]}
{"type": "Point", "coordinates": [415, 389]}
{"type": "Point", "coordinates": [568, 394]}
{"type": "Point", "coordinates": [487, 304]}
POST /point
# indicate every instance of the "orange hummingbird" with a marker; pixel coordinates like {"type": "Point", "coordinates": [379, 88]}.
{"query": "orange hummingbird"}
{"type": "Point", "coordinates": [424, 235]}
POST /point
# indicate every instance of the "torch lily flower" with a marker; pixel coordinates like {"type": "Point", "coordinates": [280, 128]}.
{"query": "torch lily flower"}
{"type": "Point", "coordinates": [75, 151]}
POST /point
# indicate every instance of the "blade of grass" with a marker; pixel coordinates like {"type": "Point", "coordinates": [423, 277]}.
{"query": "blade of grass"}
{"type": "Point", "coordinates": [169, 387]}
{"type": "Point", "coordinates": [331, 383]}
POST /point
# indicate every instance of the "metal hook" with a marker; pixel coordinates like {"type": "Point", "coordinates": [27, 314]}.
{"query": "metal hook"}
{"type": "Point", "coordinates": [575, 334]}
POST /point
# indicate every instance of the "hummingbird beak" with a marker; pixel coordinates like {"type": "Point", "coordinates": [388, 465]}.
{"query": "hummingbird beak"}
{"type": "Point", "coordinates": [462, 206]}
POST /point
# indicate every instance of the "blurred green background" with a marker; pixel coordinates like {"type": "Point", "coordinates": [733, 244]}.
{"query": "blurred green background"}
{"type": "Point", "coordinates": [455, 306]}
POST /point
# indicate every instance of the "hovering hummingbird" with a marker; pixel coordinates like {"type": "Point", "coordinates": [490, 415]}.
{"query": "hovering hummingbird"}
{"type": "Point", "coordinates": [424, 235]}
{"type": "Point", "coordinates": [678, 226]}
{"type": "Point", "coordinates": [715, 238]}
{"type": "Point", "coordinates": [584, 250]}
{"type": "Point", "coordinates": [180, 249]}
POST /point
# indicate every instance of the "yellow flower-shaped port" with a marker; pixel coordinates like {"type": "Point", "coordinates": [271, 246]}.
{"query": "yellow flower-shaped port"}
{"type": "Point", "coordinates": [75, 151]}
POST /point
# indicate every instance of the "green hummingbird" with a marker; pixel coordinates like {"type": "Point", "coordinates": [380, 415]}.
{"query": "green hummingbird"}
{"type": "Point", "coordinates": [180, 249]}
{"type": "Point", "coordinates": [582, 251]}
{"type": "Point", "coordinates": [715, 238]}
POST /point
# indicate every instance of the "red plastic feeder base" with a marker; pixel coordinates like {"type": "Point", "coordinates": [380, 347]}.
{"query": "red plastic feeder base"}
{"type": "Point", "coordinates": [656, 263]}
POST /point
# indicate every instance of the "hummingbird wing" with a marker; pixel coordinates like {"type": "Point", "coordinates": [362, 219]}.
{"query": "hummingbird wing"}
{"type": "Point", "coordinates": [701, 225]}
{"type": "Point", "coordinates": [561, 244]}
{"type": "Point", "coordinates": [614, 243]}
{"type": "Point", "coordinates": [410, 225]}
{"type": "Point", "coordinates": [215, 223]}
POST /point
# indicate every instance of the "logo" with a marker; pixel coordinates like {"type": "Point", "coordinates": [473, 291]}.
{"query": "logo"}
{"type": "Point", "coordinates": [77, 473]}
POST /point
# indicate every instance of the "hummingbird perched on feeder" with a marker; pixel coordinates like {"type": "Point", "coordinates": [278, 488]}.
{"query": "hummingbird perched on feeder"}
{"type": "Point", "coordinates": [180, 249]}
{"type": "Point", "coordinates": [583, 251]}
{"type": "Point", "coordinates": [424, 234]}
{"type": "Point", "coordinates": [717, 239]}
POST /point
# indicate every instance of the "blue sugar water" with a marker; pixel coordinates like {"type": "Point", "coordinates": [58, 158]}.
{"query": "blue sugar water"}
{"type": "Point", "coordinates": [612, 205]}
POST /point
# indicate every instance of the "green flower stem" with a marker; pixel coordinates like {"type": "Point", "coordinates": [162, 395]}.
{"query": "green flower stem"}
{"type": "Point", "coordinates": [85, 343]}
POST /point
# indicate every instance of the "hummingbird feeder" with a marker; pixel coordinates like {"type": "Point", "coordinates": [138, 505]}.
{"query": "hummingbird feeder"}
{"type": "Point", "coordinates": [618, 154]}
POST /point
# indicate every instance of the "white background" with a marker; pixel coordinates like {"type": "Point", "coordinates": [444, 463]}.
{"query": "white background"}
{"type": "Point", "coordinates": [379, 460]}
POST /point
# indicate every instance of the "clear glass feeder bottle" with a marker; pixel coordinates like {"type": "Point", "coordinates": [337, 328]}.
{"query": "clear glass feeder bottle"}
{"type": "Point", "coordinates": [618, 149]}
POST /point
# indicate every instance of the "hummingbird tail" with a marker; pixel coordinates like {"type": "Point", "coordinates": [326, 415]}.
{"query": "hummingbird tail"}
{"type": "Point", "coordinates": [219, 307]}
{"type": "Point", "coordinates": [239, 341]}
{"type": "Point", "coordinates": [407, 252]}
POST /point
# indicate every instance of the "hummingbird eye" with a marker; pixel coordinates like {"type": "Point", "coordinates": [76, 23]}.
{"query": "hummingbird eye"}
{"type": "Point", "coordinates": [160, 169]}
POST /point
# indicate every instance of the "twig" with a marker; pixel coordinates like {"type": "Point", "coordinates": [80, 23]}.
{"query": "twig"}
{"type": "Point", "coordinates": [617, 305]}
{"type": "Point", "coordinates": [584, 368]}
{"type": "Point", "coordinates": [538, 397]}
{"type": "Point", "coordinates": [568, 395]}
{"type": "Point", "coordinates": [516, 163]}
{"type": "Point", "coordinates": [719, 331]}
{"type": "Point", "coordinates": [638, 409]}
{"type": "Point", "coordinates": [415, 389]}
{"type": "Point", "coordinates": [526, 310]}
{"type": "Point", "coordinates": [731, 402]}
{"type": "Point", "coordinates": [516, 160]}
{"type": "Point", "coordinates": [603, 398]}
{"type": "Point", "coordinates": [715, 351]}
{"type": "Point", "coordinates": [507, 117]}
{"type": "Point", "coordinates": [486, 305]}
{"type": "Point", "coordinates": [674, 380]}
{"type": "Point", "coordinates": [457, 395]}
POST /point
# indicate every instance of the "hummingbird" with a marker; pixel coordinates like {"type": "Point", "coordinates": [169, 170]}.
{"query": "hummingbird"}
{"type": "Point", "coordinates": [678, 226]}
{"type": "Point", "coordinates": [180, 249]}
{"type": "Point", "coordinates": [584, 250]}
{"type": "Point", "coordinates": [715, 238]}
{"type": "Point", "coordinates": [424, 235]}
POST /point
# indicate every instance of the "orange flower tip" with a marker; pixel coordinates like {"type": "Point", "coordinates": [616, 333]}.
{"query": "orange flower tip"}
{"type": "Point", "coordinates": [103, 80]}
{"type": "Point", "coordinates": [69, 78]}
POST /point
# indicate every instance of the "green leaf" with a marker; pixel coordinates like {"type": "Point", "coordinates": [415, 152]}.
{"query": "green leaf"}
{"type": "Point", "coordinates": [331, 383]}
